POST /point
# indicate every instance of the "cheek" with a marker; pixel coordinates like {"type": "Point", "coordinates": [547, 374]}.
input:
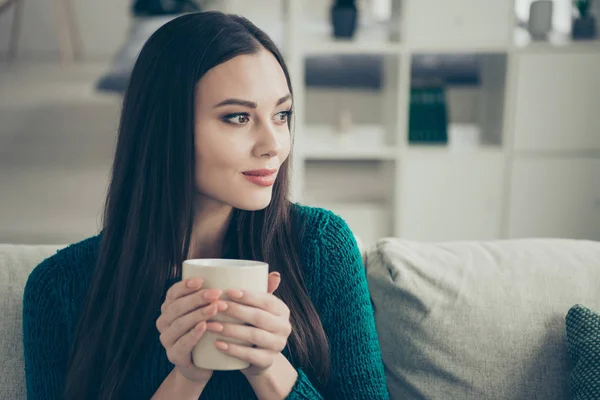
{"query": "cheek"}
{"type": "Point", "coordinates": [217, 147]}
{"type": "Point", "coordinates": [218, 156]}
{"type": "Point", "coordinates": [286, 146]}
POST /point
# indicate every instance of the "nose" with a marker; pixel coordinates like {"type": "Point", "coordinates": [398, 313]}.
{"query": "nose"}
{"type": "Point", "coordinates": [267, 144]}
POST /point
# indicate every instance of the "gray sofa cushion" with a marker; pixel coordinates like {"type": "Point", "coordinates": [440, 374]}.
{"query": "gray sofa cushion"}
{"type": "Point", "coordinates": [16, 262]}
{"type": "Point", "coordinates": [479, 320]}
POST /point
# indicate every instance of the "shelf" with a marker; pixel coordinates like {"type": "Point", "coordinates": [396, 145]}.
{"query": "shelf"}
{"type": "Point", "coordinates": [361, 143]}
{"type": "Point", "coordinates": [351, 154]}
{"type": "Point", "coordinates": [462, 138]}
{"type": "Point", "coordinates": [362, 181]}
{"type": "Point", "coordinates": [556, 42]}
{"type": "Point", "coordinates": [457, 49]}
{"type": "Point", "coordinates": [451, 151]}
{"type": "Point", "coordinates": [318, 39]}
{"type": "Point", "coordinates": [463, 116]}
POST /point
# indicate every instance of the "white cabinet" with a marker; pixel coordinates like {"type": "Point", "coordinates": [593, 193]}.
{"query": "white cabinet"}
{"type": "Point", "coordinates": [557, 197]}
{"type": "Point", "coordinates": [538, 99]}
{"type": "Point", "coordinates": [557, 102]}
{"type": "Point", "coordinates": [451, 196]}
{"type": "Point", "coordinates": [462, 24]}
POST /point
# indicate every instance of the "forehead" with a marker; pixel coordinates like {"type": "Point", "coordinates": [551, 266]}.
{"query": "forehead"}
{"type": "Point", "coordinates": [256, 77]}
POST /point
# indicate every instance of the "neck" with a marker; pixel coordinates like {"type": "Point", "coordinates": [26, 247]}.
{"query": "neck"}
{"type": "Point", "coordinates": [211, 220]}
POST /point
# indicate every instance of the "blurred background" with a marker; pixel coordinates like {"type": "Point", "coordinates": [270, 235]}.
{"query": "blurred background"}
{"type": "Point", "coordinates": [430, 120]}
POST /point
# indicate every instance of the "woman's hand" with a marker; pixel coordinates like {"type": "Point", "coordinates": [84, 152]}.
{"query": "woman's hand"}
{"type": "Point", "coordinates": [269, 320]}
{"type": "Point", "coordinates": [183, 322]}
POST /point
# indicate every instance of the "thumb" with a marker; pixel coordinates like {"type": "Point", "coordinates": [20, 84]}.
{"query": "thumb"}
{"type": "Point", "coordinates": [274, 281]}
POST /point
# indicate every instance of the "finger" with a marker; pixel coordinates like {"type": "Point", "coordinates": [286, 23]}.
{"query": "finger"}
{"type": "Point", "coordinates": [258, 318]}
{"type": "Point", "coordinates": [274, 281]}
{"type": "Point", "coordinates": [183, 288]}
{"type": "Point", "coordinates": [183, 305]}
{"type": "Point", "coordinates": [181, 352]}
{"type": "Point", "coordinates": [183, 324]}
{"type": "Point", "coordinates": [255, 356]}
{"type": "Point", "coordinates": [264, 301]}
{"type": "Point", "coordinates": [258, 337]}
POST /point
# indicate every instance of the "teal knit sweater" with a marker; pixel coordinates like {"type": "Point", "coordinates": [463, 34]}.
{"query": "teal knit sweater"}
{"type": "Point", "coordinates": [335, 280]}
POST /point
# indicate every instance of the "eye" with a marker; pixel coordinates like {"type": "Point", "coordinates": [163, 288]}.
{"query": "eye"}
{"type": "Point", "coordinates": [237, 119]}
{"type": "Point", "coordinates": [283, 116]}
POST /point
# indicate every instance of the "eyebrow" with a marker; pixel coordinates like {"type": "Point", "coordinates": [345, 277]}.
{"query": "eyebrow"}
{"type": "Point", "coordinates": [250, 104]}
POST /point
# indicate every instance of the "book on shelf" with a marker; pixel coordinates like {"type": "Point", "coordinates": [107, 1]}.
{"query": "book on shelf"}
{"type": "Point", "coordinates": [428, 114]}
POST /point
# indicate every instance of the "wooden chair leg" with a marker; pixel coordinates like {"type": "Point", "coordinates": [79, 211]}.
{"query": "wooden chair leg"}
{"type": "Point", "coordinates": [74, 32]}
{"type": "Point", "coordinates": [15, 29]}
{"type": "Point", "coordinates": [64, 38]}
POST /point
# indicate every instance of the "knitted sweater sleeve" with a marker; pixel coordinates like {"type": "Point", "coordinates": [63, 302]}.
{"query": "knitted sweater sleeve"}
{"type": "Point", "coordinates": [346, 311]}
{"type": "Point", "coordinates": [44, 335]}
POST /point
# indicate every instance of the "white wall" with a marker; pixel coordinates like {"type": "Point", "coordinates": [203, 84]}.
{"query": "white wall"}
{"type": "Point", "coordinates": [103, 25]}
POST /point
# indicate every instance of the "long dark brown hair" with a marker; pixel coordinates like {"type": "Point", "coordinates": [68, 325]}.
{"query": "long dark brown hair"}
{"type": "Point", "coordinates": [149, 211]}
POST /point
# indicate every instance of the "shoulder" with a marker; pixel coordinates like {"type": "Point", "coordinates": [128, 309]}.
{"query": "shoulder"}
{"type": "Point", "coordinates": [329, 253]}
{"type": "Point", "coordinates": [70, 265]}
{"type": "Point", "coordinates": [326, 237]}
{"type": "Point", "coordinates": [325, 228]}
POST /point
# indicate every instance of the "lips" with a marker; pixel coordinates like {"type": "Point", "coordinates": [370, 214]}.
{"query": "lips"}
{"type": "Point", "coordinates": [261, 177]}
{"type": "Point", "coordinates": [260, 172]}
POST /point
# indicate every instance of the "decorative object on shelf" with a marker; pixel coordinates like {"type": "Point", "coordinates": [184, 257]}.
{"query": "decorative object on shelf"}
{"type": "Point", "coordinates": [344, 15]}
{"type": "Point", "coordinates": [375, 11]}
{"type": "Point", "coordinates": [428, 115]}
{"type": "Point", "coordinates": [584, 27]}
{"type": "Point", "coordinates": [148, 8]}
{"type": "Point", "coordinates": [540, 19]}
{"type": "Point", "coordinates": [344, 123]}
{"type": "Point", "coordinates": [464, 136]}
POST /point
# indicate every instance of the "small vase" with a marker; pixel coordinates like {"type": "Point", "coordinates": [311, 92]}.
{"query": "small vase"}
{"type": "Point", "coordinates": [344, 20]}
{"type": "Point", "coordinates": [584, 28]}
{"type": "Point", "coordinates": [540, 19]}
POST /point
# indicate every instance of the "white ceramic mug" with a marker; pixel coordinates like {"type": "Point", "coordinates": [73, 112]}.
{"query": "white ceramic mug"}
{"type": "Point", "coordinates": [224, 274]}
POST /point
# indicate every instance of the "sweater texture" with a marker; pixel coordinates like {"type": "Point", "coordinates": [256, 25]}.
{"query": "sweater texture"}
{"type": "Point", "coordinates": [336, 282]}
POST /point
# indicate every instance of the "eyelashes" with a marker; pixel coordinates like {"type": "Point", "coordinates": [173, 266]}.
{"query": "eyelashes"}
{"type": "Point", "coordinates": [287, 114]}
{"type": "Point", "coordinates": [236, 118]}
{"type": "Point", "coordinates": [243, 118]}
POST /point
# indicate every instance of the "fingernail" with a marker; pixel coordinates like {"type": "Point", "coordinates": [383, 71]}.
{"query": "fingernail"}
{"type": "Point", "coordinates": [222, 306]}
{"type": "Point", "coordinates": [221, 345]}
{"type": "Point", "coordinates": [212, 295]}
{"type": "Point", "coordinates": [215, 327]}
{"type": "Point", "coordinates": [235, 294]}
{"type": "Point", "coordinates": [277, 274]}
{"type": "Point", "coordinates": [194, 283]}
{"type": "Point", "coordinates": [200, 326]}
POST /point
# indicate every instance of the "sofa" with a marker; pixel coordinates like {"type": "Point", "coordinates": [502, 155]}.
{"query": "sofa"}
{"type": "Point", "coordinates": [456, 320]}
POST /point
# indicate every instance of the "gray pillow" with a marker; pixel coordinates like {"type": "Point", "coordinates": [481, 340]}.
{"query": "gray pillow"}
{"type": "Point", "coordinates": [16, 262]}
{"type": "Point", "coordinates": [479, 320]}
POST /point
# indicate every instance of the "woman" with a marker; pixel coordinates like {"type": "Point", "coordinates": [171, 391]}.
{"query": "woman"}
{"type": "Point", "coordinates": [201, 171]}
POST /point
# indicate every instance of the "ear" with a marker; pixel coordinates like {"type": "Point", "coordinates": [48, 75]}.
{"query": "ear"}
{"type": "Point", "coordinates": [274, 281]}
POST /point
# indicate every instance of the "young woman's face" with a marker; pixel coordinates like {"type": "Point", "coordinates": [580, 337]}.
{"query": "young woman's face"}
{"type": "Point", "coordinates": [242, 135]}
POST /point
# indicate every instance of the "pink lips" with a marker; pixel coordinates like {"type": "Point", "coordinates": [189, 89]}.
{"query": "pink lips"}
{"type": "Point", "coordinates": [261, 177]}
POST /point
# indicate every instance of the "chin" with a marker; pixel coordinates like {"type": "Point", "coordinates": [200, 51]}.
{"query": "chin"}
{"type": "Point", "coordinates": [253, 202]}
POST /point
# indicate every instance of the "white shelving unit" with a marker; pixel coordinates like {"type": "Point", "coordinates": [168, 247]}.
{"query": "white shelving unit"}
{"type": "Point", "coordinates": [532, 170]}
